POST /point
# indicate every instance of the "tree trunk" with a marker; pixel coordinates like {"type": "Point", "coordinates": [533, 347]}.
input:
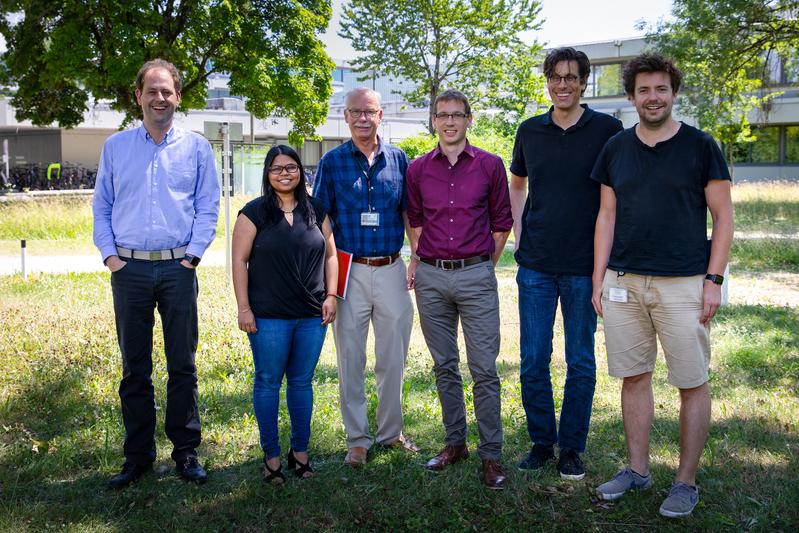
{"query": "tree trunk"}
{"type": "Point", "coordinates": [431, 107]}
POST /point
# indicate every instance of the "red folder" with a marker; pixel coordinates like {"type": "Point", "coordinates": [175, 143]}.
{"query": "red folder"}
{"type": "Point", "coordinates": [344, 264]}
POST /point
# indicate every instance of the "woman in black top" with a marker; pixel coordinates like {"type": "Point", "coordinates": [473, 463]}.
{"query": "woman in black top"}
{"type": "Point", "coordinates": [285, 275]}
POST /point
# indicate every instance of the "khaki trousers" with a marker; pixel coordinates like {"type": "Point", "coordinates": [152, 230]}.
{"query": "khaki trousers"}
{"type": "Point", "coordinates": [378, 294]}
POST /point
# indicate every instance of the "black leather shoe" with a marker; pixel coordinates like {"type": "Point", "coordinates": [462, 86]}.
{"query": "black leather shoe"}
{"type": "Point", "coordinates": [130, 473]}
{"type": "Point", "coordinates": [190, 470]}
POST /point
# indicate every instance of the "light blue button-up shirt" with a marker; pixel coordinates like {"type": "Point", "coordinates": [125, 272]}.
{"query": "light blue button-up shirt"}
{"type": "Point", "coordinates": [155, 196]}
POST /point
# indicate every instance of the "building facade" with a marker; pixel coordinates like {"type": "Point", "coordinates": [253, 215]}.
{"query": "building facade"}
{"type": "Point", "coordinates": [774, 155]}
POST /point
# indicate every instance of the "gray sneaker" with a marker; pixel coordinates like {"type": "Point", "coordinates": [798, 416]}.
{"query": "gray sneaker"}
{"type": "Point", "coordinates": [623, 481]}
{"type": "Point", "coordinates": [681, 501]}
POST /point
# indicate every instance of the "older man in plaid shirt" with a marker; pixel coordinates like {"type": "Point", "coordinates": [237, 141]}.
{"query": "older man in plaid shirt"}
{"type": "Point", "coordinates": [362, 186]}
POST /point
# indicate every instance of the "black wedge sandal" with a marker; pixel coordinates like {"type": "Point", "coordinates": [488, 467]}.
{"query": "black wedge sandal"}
{"type": "Point", "coordinates": [273, 477]}
{"type": "Point", "coordinates": [299, 468]}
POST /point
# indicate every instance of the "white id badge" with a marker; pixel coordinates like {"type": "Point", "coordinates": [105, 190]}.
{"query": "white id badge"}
{"type": "Point", "coordinates": [370, 219]}
{"type": "Point", "coordinates": [617, 294]}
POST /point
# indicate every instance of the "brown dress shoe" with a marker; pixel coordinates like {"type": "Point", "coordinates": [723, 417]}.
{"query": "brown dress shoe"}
{"type": "Point", "coordinates": [451, 454]}
{"type": "Point", "coordinates": [403, 443]}
{"type": "Point", "coordinates": [356, 457]}
{"type": "Point", "coordinates": [493, 475]}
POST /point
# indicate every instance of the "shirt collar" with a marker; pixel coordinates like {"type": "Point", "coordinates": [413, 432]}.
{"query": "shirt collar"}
{"type": "Point", "coordinates": [171, 135]}
{"type": "Point", "coordinates": [381, 147]}
{"type": "Point", "coordinates": [468, 149]}
{"type": "Point", "coordinates": [588, 113]}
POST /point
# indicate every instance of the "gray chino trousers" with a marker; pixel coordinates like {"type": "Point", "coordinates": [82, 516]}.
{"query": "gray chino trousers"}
{"type": "Point", "coordinates": [471, 294]}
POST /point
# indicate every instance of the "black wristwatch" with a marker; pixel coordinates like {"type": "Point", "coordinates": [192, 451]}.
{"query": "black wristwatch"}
{"type": "Point", "coordinates": [718, 279]}
{"type": "Point", "coordinates": [192, 259]}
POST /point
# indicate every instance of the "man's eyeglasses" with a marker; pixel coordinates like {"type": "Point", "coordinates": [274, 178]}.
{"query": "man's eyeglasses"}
{"type": "Point", "coordinates": [454, 116]}
{"type": "Point", "coordinates": [276, 170]}
{"type": "Point", "coordinates": [358, 113]}
{"type": "Point", "coordinates": [570, 79]}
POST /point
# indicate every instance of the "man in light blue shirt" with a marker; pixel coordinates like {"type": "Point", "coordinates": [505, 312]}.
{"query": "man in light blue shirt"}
{"type": "Point", "coordinates": [155, 207]}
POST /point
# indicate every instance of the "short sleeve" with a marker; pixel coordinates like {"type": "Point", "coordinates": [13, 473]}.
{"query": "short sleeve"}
{"type": "Point", "coordinates": [254, 211]}
{"type": "Point", "coordinates": [600, 171]}
{"type": "Point", "coordinates": [715, 167]}
{"type": "Point", "coordinates": [319, 211]}
{"type": "Point", "coordinates": [518, 165]}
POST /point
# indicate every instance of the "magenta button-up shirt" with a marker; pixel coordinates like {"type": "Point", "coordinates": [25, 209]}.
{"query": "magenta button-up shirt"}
{"type": "Point", "coordinates": [458, 206]}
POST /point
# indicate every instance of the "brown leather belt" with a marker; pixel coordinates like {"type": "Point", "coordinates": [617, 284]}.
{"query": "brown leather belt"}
{"type": "Point", "coordinates": [455, 264]}
{"type": "Point", "coordinates": [376, 261]}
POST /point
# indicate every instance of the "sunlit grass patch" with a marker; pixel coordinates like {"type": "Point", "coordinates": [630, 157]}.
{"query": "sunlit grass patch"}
{"type": "Point", "coordinates": [61, 431]}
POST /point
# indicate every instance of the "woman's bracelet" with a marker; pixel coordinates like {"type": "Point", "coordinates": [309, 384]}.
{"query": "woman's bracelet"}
{"type": "Point", "coordinates": [331, 294]}
{"type": "Point", "coordinates": [245, 310]}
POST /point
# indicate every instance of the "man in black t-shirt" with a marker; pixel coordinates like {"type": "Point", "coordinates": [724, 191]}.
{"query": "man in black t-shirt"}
{"type": "Point", "coordinates": [652, 274]}
{"type": "Point", "coordinates": [554, 226]}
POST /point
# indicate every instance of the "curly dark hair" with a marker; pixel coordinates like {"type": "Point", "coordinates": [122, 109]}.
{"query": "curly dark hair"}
{"type": "Point", "coordinates": [567, 53]}
{"type": "Point", "coordinates": [272, 203]}
{"type": "Point", "coordinates": [650, 63]}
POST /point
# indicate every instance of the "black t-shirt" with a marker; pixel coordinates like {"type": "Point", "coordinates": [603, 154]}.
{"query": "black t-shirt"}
{"type": "Point", "coordinates": [562, 201]}
{"type": "Point", "coordinates": [286, 271]}
{"type": "Point", "coordinates": [661, 213]}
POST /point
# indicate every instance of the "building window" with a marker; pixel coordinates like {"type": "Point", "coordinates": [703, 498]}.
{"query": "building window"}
{"type": "Point", "coordinates": [607, 80]}
{"type": "Point", "coordinates": [311, 153]}
{"type": "Point", "coordinates": [604, 80]}
{"type": "Point", "coordinates": [775, 145]}
{"type": "Point", "coordinates": [792, 144]}
{"type": "Point", "coordinates": [765, 149]}
{"type": "Point", "coordinates": [338, 74]}
{"type": "Point", "coordinates": [790, 70]}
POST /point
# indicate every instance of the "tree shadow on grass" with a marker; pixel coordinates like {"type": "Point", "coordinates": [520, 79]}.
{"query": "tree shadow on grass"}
{"type": "Point", "coordinates": [747, 476]}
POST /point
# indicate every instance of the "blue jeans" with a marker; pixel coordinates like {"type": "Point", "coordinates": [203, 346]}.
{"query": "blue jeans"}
{"type": "Point", "coordinates": [291, 348]}
{"type": "Point", "coordinates": [538, 299]}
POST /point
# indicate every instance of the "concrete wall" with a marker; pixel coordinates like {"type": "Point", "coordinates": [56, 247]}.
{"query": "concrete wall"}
{"type": "Point", "coordinates": [38, 146]}
{"type": "Point", "coordinates": [82, 146]}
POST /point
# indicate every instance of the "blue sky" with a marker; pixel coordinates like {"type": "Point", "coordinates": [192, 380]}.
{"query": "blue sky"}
{"type": "Point", "coordinates": [567, 22]}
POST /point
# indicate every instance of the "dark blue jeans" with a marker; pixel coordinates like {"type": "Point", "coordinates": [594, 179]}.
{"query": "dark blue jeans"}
{"type": "Point", "coordinates": [538, 300]}
{"type": "Point", "coordinates": [139, 288]}
{"type": "Point", "coordinates": [291, 348]}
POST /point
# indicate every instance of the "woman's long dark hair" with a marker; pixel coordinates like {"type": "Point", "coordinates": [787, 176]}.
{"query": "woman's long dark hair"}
{"type": "Point", "coordinates": [272, 202]}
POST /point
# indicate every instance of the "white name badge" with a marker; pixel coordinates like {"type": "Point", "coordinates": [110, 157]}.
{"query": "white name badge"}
{"type": "Point", "coordinates": [370, 219]}
{"type": "Point", "coordinates": [616, 294]}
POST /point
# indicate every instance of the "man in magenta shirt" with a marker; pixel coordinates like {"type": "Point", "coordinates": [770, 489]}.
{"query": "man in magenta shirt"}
{"type": "Point", "coordinates": [460, 217]}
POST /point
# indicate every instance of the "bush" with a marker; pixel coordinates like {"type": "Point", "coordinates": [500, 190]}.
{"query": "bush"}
{"type": "Point", "coordinates": [485, 133]}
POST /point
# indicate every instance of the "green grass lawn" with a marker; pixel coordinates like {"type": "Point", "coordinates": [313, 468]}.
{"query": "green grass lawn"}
{"type": "Point", "coordinates": [61, 433]}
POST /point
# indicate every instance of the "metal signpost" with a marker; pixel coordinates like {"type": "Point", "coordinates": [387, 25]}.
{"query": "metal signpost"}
{"type": "Point", "coordinates": [225, 132]}
{"type": "Point", "coordinates": [6, 175]}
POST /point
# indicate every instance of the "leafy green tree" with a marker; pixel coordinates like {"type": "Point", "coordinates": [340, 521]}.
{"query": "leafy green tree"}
{"type": "Point", "coordinates": [469, 45]}
{"type": "Point", "coordinates": [61, 54]}
{"type": "Point", "coordinates": [728, 50]}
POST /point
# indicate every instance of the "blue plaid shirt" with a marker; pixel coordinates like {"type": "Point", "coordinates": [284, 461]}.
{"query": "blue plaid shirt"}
{"type": "Point", "coordinates": [341, 186]}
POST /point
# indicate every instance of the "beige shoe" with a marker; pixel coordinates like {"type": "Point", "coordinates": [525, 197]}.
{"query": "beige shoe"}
{"type": "Point", "coordinates": [403, 443]}
{"type": "Point", "coordinates": [356, 457]}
